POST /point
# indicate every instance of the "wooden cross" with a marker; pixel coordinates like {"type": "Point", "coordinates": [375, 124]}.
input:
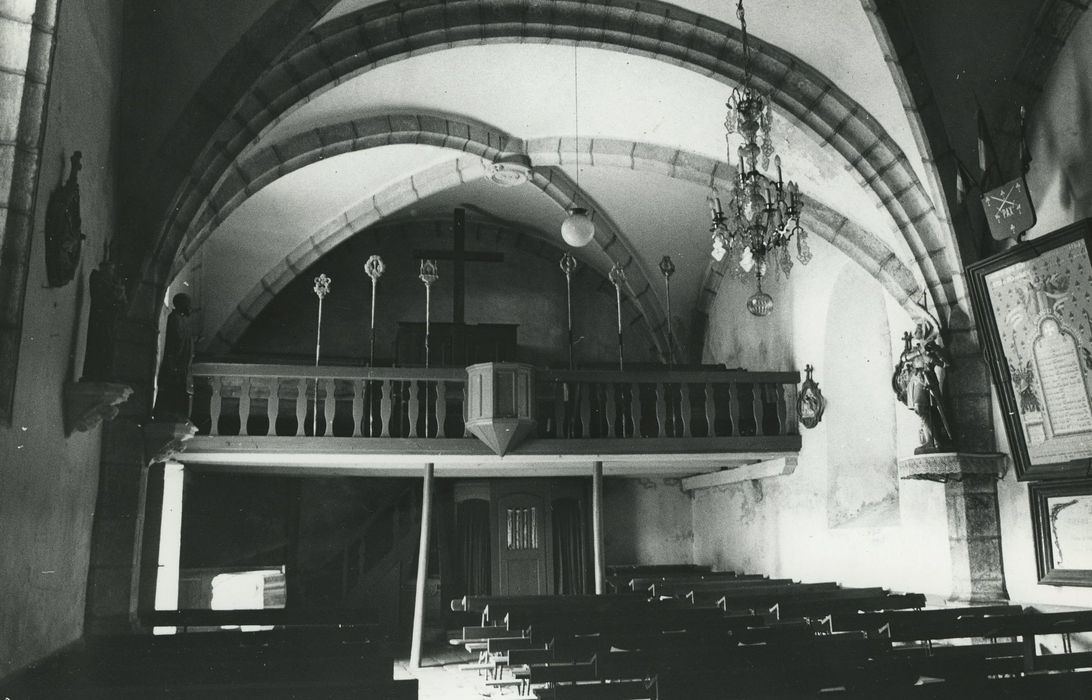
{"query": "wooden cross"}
{"type": "Point", "coordinates": [459, 256]}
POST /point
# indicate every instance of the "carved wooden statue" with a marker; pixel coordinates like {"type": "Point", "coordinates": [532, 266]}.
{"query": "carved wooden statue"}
{"type": "Point", "coordinates": [108, 299]}
{"type": "Point", "coordinates": [175, 385]}
{"type": "Point", "coordinates": [64, 237]}
{"type": "Point", "coordinates": [918, 382]}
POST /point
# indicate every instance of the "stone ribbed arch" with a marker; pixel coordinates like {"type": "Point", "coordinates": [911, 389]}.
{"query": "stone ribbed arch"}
{"type": "Point", "coordinates": [248, 175]}
{"type": "Point", "coordinates": [355, 43]}
{"type": "Point", "coordinates": [419, 186]}
{"type": "Point", "coordinates": [267, 164]}
{"type": "Point", "coordinates": [859, 245]}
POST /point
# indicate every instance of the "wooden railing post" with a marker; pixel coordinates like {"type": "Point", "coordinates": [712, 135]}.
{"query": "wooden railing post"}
{"type": "Point", "coordinates": [609, 408]}
{"type": "Point", "coordinates": [733, 408]}
{"type": "Point", "coordinates": [685, 411]}
{"type": "Point", "coordinates": [413, 408]}
{"type": "Point", "coordinates": [661, 411]}
{"type": "Point", "coordinates": [758, 407]}
{"type": "Point", "coordinates": [273, 406]}
{"type": "Point", "coordinates": [301, 407]}
{"type": "Point", "coordinates": [358, 406]}
{"type": "Point", "coordinates": [385, 409]}
{"type": "Point", "coordinates": [215, 405]}
{"type": "Point", "coordinates": [441, 409]}
{"type": "Point", "coordinates": [244, 406]}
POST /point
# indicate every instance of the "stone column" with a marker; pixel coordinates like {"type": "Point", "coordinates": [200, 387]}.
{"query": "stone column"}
{"type": "Point", "coordinates": [974, 521]}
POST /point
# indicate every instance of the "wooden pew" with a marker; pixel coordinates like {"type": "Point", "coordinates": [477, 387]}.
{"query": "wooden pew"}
{"type": "Point", "coordinates": [278, 664]}
{"type": "Point", "coordinates": [915, 625]}
{"type": "Point", "coordinates": [681, 587]}
{"type": "Point", "coordinates": [859, 599]}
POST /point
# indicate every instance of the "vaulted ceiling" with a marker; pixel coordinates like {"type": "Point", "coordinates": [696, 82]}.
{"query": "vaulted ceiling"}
{"type": "Point", "coordinates": [384, 111]}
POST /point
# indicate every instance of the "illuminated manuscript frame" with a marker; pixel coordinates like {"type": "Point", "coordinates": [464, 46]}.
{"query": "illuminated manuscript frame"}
{"type": "Point", "coordinates": [1033, 306]}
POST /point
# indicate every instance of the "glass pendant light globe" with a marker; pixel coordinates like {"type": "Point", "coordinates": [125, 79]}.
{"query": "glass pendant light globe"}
{"type": "Point", "coordinates": [578, 229]}
{"type": "Point", "coordinates": [760, 303]}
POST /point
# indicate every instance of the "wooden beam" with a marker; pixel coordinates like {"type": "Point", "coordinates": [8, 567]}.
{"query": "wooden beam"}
{"type": "Point", "coordinates": [597, 529]}
{"type": "Point", "coordinates": [422, 569]}
{"type": "Point", "coordinates": [759, 470]}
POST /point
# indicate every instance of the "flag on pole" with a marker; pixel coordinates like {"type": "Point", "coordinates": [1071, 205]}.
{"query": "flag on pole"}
{"type": "Point", "coordinates": [988, 164]}
{"type": "Point", "coordinates": [1025, 154]}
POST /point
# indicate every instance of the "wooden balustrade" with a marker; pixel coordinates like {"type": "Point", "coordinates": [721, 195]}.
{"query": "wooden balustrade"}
{"type": "Point", "coordinates": [272, 400]}
{"type": "Point", "coordinates": [665, 404]}
{"type": "Point", "coordinates": [283, 400]}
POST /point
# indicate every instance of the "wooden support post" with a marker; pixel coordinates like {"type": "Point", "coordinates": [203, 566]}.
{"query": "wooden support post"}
{"type": "Point", "coordinates": [422, 570]}
{"type": "Point", "coordinates": [597, 528]}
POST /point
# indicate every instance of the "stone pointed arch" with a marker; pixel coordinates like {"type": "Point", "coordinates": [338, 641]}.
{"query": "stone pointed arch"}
{"type": "Point", "coordinates": [389, 31]}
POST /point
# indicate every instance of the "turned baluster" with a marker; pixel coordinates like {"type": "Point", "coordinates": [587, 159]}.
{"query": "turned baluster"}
{"type": "Point", "coordinates": [733, 408]}
{"type": "Point", "coordinates": [385, 409]}
{"type": "Point", "coordinates": [585, 409]}
{"type": "Point", "coordinates": [244, 406]}
{"type": "Point", "coordinates": [272, 406]}
{"type": "Point", "coordinates": [441, 409]}
{"type": "Point", "coordinates": [301, 407]}
{"type": "Point", "coordinates": [466, 410]}
{"type": "Point", "coordinates": [788, 406]}
{"type": "Point", "coordinates": [413, 408]}
{"type": "Point", "coordinates": [758, 406]}
{"type": "Point", "coordinates": [635, 410]}
{"type": "Point", "coordinates": [661, 411]}
{"type": "Point", "coordinates": [684, 409]}
{"type": "Point", "coordinates": [358, 406]}
{"type": "Point", "coordinates": [777, 391]}
{"type": "Point", "coordinates": [559, 410]}
{"type": "Point", "coordinates": [608, 390]}
{"type": "Point", "coordinates": [710, 411]}
{"type": "Point", "coordinates": [215, 405]}
{"type": "Point", "coordinates": [329, 408]}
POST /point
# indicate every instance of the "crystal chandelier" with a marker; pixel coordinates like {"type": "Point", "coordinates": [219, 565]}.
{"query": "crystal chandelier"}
{"type": "Point", "coordinates": [763, 216]}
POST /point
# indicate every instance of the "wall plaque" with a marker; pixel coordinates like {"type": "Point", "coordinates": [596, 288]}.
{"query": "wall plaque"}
{"type": "Point", "coordinates": [1033, 305]}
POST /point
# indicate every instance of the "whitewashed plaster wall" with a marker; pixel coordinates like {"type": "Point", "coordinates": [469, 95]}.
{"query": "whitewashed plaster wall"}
{"type": "Point", "coordinates": [842, 515]}
{"type": "Point", "coordinates": [48, 482]}
{"type": "Point", "coordinates": [1060, 183]}
{"type": "Point", "coordinates": [646, 521]}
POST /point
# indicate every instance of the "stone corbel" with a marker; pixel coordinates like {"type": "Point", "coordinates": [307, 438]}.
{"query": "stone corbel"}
{"type": "Point", "coordinates": [165, 440]}
{"type": "Point", "coordinates": [952, 466]}
{"type": "Point", "coordinates": [86, 404]}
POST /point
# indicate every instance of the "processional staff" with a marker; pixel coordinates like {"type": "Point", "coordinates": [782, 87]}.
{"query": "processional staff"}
{"type": "Point", "coordinates": [568, 266]}
{"type": "Point", "coordinates": [373, 268]}
{"type": "Point", "coordinates": [322, 288]}
{"type": "Point", "coordinates": [428, 276]}
{"type": "Point", "coordinates": [618, 278]}
{"type": "Point", "coordinates": [667, 268]}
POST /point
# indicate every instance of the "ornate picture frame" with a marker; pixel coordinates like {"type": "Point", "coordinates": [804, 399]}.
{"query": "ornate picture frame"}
{"type": "Point", "coordinates": [1033, 307]}
{"type": "Point", "coordinates": [1061, 515]}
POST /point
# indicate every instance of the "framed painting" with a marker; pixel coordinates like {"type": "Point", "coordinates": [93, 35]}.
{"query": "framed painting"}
{"type": "Point", "coordinates": [1033, 306]}
{"type": "Point", "coordinates": [1061, 513]}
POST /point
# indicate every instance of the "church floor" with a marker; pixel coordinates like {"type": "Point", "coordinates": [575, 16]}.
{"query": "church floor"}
{"type": "Point", "coordinates": [440, 677]}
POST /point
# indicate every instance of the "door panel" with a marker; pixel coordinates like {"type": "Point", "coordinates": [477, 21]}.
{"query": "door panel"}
{"type": "Point", "coordinates": [523, 547]}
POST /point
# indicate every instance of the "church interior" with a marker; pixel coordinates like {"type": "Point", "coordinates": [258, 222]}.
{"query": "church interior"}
{"type": "Point", "coordinates": [706, 348]}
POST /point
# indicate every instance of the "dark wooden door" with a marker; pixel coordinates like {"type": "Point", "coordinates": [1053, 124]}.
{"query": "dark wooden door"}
{"type": "Point", "coordinates": [523, 543]}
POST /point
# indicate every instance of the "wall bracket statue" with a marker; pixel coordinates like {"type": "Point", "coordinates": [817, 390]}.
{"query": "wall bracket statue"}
{"type": "Point", "coordinates": [918, 383]}
{"type": "Point", "coordinates": [64, 237]}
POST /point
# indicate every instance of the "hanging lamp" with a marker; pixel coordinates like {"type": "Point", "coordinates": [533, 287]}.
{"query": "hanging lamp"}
{"type": "Point", "coordinates": [578, 229]}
